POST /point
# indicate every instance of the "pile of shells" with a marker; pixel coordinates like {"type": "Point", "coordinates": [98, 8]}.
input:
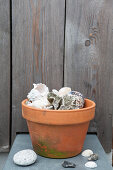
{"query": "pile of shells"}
{"type": "Point", "coordinates": [91, 158]}
{"type": "Point", "coordinates": [64, 99]}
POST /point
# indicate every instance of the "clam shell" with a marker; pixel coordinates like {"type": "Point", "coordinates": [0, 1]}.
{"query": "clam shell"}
{"type": "Point", "coordinates": [55, 91]}
{"type": "Point", "coordinates": [63, 91]}
{"type": "Point", "coordinates": [87, 153]}
{"type": "Point", "coordinates": [91, 164]}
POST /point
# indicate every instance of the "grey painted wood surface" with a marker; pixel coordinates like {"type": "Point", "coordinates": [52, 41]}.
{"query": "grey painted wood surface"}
{"type": "Point", "coordinates": [4, 74]}
{"type": "Point", "coordinates": [24, 142]}
{"type": "Point", "coordinates": [37, 50]}
{"type": "Point", "coordinates": [3, 159]}
{"type": "Point", "coordinates": [89, 59]}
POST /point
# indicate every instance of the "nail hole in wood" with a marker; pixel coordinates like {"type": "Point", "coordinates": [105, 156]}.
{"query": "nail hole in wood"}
{"type": "Point", "coordinates": [87, 43]}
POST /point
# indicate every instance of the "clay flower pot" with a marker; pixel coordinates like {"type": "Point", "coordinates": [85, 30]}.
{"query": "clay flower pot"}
{"type": "Point", "coordinates": [58, 133]}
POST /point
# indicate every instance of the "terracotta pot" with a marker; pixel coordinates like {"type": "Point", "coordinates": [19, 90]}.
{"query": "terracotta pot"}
{"type": "Point", "coordinates": [58, 133]}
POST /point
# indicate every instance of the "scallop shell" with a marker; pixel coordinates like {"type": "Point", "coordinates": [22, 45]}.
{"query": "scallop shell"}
{"type": "Point", "coordinates": [39, 90]}
{"type": "Point", "coordinates": [63, 91]}
{"type": "Point", "coordinates": [87, 153]}
{"type": "Point", "coordinates": [91, 164]}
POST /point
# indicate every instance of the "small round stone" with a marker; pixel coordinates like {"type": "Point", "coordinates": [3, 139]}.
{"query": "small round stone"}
{"type": "Point", "coordinates": [25, 157]}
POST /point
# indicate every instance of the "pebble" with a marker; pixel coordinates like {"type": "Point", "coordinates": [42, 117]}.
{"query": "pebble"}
{"type": "Point", "coordinates": [91, 164]}
{"type": "Point", "coordinates": [87, 153]}
{"type": "Point", "coordinates": [25, 157]}
{"type": "Point", "coordinates": [67, 164]}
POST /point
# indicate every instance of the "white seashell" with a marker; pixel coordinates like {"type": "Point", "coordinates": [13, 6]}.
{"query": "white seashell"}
{"type": "Point", "coordinates": [91, 164]}
{"type": "Point", "coordinates": [87, 153]}
{"type": "Point", "coordinates": [33, 95]}
{"type": "Point", "coordinates": [37, 92]}
{"type": "Point", "coordinates": [55, 91]}
{"type": "Point", "coordinates": [25, 157]}
{"type": "Point", "coordinates": [40, 103]}
{"type": "Point", "coordinates": [63, 91]}
{"type": "Point", "coordinates": [42, 88]}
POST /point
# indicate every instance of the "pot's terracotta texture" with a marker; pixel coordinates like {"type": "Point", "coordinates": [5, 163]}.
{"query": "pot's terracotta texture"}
{"type": "Point", "coordinates": [58, 133]}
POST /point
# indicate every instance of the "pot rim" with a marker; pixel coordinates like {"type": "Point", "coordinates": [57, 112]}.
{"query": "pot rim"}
{"type": "Point", "coordinates": [47, 110]}
{"type": "Point", "coordinates": [59, 117]}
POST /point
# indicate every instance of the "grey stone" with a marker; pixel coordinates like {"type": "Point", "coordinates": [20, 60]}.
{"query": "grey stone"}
{"type": "Point", "coordinates": [93, 157]}
{"type": "Point", "coordinates": [67, 164]}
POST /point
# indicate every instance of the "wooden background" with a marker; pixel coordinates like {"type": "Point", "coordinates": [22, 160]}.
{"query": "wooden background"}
{"type": "Point", "coordinates": [59, 43]}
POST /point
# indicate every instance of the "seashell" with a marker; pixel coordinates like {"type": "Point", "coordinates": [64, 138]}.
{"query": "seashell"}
{"type": "Point", "coordinates": [63, 91]}
{"type": "Point", "coordinates": [69, 102]}
{"type": "Point", "coordinates": [51, 107]}
{"type": "Point", "coordinates": [62, 107]}
{"type": "Point", "coordinates": [76, 93]}
{"type": "Point", "coordinates": [40, 103]}
{"type": "Point", "coordinates": [54, 99]}
{"type": "Point", "coordinates": [42, 88]}
{"type": "Point", "coordinates": [28, 102]}
{"type": "Point", "coordinates": [93, 157]}
{"type": "Point", "coordinates": [91, 164]}
{"type": "Point", "coordinates": [39, 90]}
{"type": "Point", "coordinates": [55, 91]}
{"type": "Point", "coordinates": [87, 153]}
{"type": "Point", "coordinates": [33, 95]}
{"type": "Point", "coordinates": [78, 99]}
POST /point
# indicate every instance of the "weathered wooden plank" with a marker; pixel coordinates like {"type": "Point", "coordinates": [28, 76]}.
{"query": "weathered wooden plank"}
{"type": "Point", "coordinates": [4, 74]}
{"type": "Point", "coordinates": [24, 142]}
{"type": "Point", "coordinates": [89, 59]}
{"type": "Point", "coordinates": [37, 50]}
{"type": "Point", "coordinates": [112, 142]}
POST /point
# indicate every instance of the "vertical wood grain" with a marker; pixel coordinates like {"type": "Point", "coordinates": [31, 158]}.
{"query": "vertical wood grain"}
{"type": "Point", "coordinates": [4, 74]}
{"type": "Point", "coordinates": [37, 50]}
{"type": "Point", "coordinates": [89, 59]}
